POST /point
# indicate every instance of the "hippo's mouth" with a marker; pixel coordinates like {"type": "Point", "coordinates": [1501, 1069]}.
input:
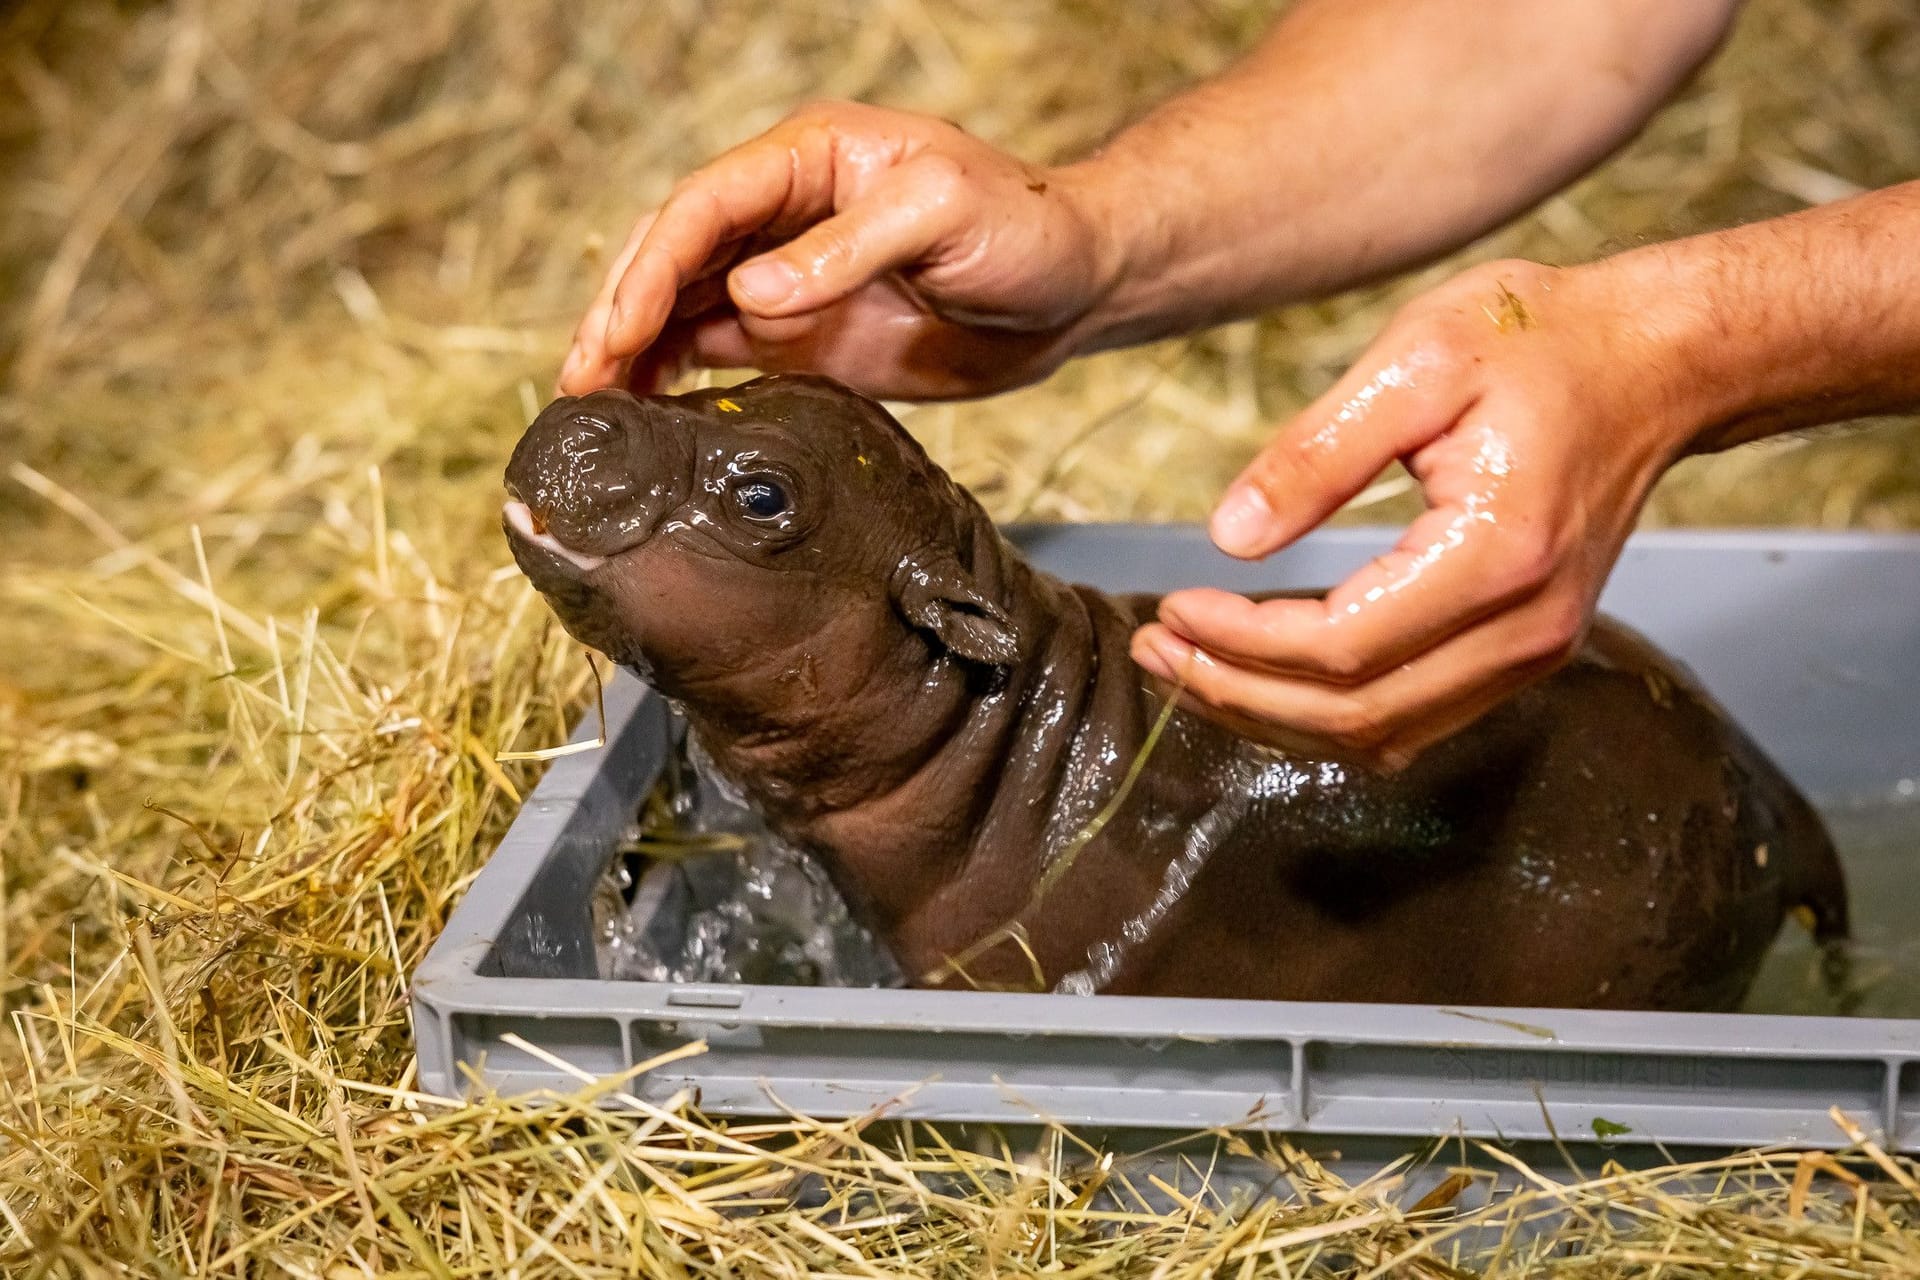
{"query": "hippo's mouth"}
{"type": "Point", "coordinates": [522, 524]}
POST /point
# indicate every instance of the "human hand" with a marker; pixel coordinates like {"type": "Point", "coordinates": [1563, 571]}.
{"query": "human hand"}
{"type": "Point", "coordinates": [889, 250]}
{"type": "Point", "coordinates": [1535, 407]}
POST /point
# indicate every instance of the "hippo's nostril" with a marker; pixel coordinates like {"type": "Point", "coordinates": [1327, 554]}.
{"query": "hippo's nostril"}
{"type": "Point", "coordinates": [592, 426]}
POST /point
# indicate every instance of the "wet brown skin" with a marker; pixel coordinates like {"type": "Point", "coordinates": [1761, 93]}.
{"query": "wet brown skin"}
{"type": "Point", "coordinates": [895, 689]}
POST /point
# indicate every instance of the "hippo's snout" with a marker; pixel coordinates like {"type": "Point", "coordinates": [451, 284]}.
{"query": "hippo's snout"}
{"type": "Point", "coordinates": [594, 475]}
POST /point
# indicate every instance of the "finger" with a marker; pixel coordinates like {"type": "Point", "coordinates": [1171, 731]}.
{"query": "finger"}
{"type": "Point", "coordinates": [1481, 547]}
{"type": "Point", "coordinates": [1447, 572]}
{"type": "Point", "coordinates": [1397, 753]}
{"type": "Point", "coordinates": [721, 342]}
{"type": "Point", "coordinates": [1355, 732]}
{"type": "Point", "coordinates": [785, 174]}
{"type": "Point", "coordinates": [711, 342]}
{"type": "Point", "coordinates": [908, 215]}
{"type": "Point", "coordinates": [587, 367]}
{"type": "Point", "coordinates": [1405, 709]}
{"type": "Point", "coordinates": [1386, 406]}
{"type": "Point", "coordinates": [700, 298]}
{"type": "Point", "coordinates": [655, 369]}
{"type": "Point", "coordinates": [704, 295]}
{"type": "Point", "coordinates": [1445, 720]}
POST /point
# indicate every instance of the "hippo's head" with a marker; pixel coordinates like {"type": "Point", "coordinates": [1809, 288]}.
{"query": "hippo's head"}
{"type": "Point", "coordinates": [771, 527]}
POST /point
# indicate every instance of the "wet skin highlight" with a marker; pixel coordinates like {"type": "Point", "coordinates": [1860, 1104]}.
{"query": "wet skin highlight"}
{"type": "Point", "coordinates": [896, 690]}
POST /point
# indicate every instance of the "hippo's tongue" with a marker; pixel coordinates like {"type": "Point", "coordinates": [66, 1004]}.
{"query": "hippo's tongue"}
{"type": "Point", "coordinates": [520, 516]}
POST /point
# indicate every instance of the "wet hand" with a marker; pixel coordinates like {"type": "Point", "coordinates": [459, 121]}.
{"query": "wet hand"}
{"type": "Point", "coordinates": [892, 251]}
{"type": "Point", "coordinates": [1535, 407]}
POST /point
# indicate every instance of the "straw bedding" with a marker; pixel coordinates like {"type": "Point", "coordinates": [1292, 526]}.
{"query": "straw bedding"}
{"type": "Point", "coordinates": [284, 280]}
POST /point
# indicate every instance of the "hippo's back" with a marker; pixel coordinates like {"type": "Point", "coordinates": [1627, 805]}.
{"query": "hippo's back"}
{"type": "Point", "coordinates": [1608, 837]}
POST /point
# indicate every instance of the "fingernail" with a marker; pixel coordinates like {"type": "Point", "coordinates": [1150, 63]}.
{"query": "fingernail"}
{"type": "Point", "coordinates": [1154, 663]}
{"type": "Point", "coordinates": [766, 281]}
{"type": "Point", "coordinates": [1240, 522]}
{"type": "Point", "coordinates": [571, 365]}
{"type": "Point", "coordinates": [1160, 656]}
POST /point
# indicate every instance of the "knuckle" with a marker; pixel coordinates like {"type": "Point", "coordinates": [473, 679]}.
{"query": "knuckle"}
{"type": "Point", "coordinates": [1291, 464]}
{"type": "Point", "coordinates": [1344, 663]}
{"type": "Point", "coordinates": [1354, 725]}
{"type": "Point", "coordinates": [1559, 631]}
{"type": "Point", "coordinates": [1441, 345]}
{"type": "Point", "coordinates": [688, 190]}
{"type": "Point", "coordinates": [1448, 326]}
{"type": "Point", "coordinates": [829, 244]}
{"type": "Point", "coordinates": [1529, 563]}
{"type": "Point", "coordinates": [1432, 336]}
{"type": "Point", "coordinates": [941, 180]}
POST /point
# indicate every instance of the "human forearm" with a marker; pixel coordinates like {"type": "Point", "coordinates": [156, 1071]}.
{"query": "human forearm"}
{"type": "Point", "coordinates": [1363, 136]}
{"type": "Point", "coordinates": [1791, 322]}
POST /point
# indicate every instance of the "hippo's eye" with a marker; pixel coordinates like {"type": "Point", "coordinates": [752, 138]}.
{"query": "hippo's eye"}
{"type": "Point", "coordinates": [760, 496]}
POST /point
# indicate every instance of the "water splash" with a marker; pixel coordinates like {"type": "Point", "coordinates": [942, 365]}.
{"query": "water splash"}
{"type": "Point", "coordinates": [762, 913]}
{"type": "Point", "coordinates": [702, 893]}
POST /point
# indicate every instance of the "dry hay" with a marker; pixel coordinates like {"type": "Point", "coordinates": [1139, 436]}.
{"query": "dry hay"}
{"type": "Point", "coordinates": [285, 281]}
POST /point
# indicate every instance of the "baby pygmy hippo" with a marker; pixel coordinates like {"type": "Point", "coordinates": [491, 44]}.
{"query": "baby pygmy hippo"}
{"type": "Point", "coordinates": [895, 689]}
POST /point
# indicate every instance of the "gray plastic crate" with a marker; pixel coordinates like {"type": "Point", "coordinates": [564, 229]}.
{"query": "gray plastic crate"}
{"type": "Point", "coordinates": [1812, 640]}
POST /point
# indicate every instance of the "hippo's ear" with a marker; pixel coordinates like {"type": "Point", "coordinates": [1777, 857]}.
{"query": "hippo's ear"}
{"type": "Point", "coordinates": [941, 599]}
